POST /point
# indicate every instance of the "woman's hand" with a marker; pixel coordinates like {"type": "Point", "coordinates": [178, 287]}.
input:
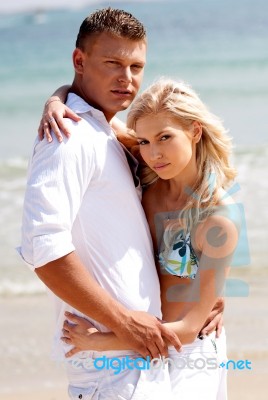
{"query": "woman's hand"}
{"type": "Point", "coordinates": [53, 119]}
{"type": "Point", "coordinates": [78, 332]}
{"type": "Point", "coordinates": [214, 321]}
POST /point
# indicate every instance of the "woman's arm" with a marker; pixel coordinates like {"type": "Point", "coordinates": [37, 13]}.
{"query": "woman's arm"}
{"type": "Point", "coordinates": [84, 336]}
{"type": "Point", "coordinates": [216, 240]}
{"type": "Point", "coordinates": [214, 321]}
{"type": "Point", "coordinates": [53, 115]}
{"type": "Point", "coordinates": [53, 119]}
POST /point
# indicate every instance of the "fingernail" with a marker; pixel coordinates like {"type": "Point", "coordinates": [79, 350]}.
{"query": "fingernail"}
{"type": "Point", "coordinates": [66, 313]}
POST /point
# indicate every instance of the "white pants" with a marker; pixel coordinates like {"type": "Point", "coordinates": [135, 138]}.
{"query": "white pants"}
{"type": "Point", "coordinates": [113, 375]}
{"type": "Point", "coordinates": [222, 357]}
{"type": "Point", "coordinates": [195, 371]}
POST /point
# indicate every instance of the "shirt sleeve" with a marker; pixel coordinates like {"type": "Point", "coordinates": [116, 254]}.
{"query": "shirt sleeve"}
{"type": "Point", "coordinates": [58, 176]}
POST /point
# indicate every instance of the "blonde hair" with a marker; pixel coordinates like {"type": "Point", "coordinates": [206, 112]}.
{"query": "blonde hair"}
{"type": "Point", "coordinates": [212, 151]}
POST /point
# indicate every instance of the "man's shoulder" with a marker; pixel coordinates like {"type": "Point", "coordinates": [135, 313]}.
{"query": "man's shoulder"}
{"type": "Point", "coordinates": [81, 131]}
{"type": "Point", "coordinates": [80, 143]}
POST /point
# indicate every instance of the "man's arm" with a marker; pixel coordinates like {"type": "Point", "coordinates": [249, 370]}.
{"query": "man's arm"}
{"type": "Point", "coordinates": [59, 176]}
{"type": "Point", "coordinates": [69, 280]}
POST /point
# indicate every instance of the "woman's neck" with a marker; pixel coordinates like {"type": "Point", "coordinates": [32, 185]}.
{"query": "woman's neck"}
{"type": "Point", "coordinates": [177, 190]}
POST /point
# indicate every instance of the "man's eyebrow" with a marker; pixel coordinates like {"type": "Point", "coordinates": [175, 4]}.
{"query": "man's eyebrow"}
{"type": "Point", "coordinates": [122, 57]}
{"type": "Point", "coordinates": [112, 56]}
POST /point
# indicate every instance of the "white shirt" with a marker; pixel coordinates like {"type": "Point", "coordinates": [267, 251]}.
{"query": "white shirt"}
{"type": "Point", "coordinates": [80, 196]}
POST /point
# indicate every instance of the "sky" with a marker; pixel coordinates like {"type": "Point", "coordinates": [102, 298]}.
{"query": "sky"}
{"type": "Point", "coordinates": [25, 5]}
{"type": "Point", "coordinates": [10, 6]}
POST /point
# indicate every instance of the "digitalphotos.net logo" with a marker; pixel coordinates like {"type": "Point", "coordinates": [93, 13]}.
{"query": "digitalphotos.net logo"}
{"type": "Point", "coordinates": [235, 215]}
{"type": "Point", "coordinates": [119, 364]}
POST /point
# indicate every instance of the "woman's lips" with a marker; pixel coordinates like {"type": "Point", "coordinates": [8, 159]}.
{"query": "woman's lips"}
{"type": "Point", "coordinates": [158, 167]}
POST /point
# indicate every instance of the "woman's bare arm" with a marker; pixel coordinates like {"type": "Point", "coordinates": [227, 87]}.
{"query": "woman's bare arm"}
{"type": "Point", "coordinates": [55, 111]}
{"type": "Point", "coordinates": [203, 294]}
{"type": "Point", "coordinates": [80, 333]}
{"type": "Point", "coordinates": [216, 239]}
{"type": "Point", "coordinates": [53, 115]}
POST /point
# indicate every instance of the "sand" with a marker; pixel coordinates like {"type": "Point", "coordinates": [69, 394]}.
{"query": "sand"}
{"type": "Point", "coordinates": [27, 371]}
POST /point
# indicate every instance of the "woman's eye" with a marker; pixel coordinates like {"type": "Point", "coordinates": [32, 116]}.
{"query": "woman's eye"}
{"type": "Point", "coordinates": [165, 137]}
{"type": "Point", "coordinates": [143, 142]}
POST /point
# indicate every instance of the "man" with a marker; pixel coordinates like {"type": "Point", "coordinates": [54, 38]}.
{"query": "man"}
{"type": "Point", "coordinates": [84, 232]}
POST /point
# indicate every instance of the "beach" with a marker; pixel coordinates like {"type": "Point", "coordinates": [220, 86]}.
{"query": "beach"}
{"type": "Point", "coordinates": [221, 51]}
{"type": "Point", "coordinates": [26, 334]}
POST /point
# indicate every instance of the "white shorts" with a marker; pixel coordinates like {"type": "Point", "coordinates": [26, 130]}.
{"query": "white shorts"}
{"type": "Point", "coordinates": [115, 375]}
{"type": "Point", "coordinates": [195, 372]}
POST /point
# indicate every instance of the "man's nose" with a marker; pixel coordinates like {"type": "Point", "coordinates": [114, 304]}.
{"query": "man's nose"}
{"type": "Point", "coordinates": [125, 75]}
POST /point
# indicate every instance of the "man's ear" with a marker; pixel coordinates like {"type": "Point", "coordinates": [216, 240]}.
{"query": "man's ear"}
{"type": "Point", "coordinates": [197, 131]}
{"type": "Point", "coordinates": [78, 61]}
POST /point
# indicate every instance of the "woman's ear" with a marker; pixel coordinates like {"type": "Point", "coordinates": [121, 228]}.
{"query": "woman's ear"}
{"type": "Point", "coordinates": [78, 61]}
{"type": "Point", "coordinates": [197, 131]}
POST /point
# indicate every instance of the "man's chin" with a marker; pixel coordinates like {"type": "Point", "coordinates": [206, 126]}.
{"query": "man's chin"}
{"type": "Point", "coordinates": [125, 105]}
{"type": "Point", "coordinates": [120, 107]}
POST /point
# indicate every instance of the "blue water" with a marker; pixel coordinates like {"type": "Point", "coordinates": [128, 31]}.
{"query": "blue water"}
{"type": "Point", "coordinates": [220, 47]}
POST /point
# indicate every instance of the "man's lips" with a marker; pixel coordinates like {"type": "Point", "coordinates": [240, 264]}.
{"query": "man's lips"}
{"type": "Point", "coordinates": [122, 92]}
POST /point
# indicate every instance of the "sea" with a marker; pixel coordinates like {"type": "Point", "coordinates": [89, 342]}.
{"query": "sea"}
{"type": "Point", "coordinates": [219, 47]}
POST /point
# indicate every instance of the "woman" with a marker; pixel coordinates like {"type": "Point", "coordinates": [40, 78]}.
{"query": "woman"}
{"type": "Point", "coordinates": [194, 225]}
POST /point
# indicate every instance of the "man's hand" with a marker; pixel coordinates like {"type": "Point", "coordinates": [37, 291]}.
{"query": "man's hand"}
{"type": "Point", "coordinates": [138, 330]}
{"type": "Point", "coordinates": [215, 319]}
{"type": "Point", "coordinates": [145, 334]}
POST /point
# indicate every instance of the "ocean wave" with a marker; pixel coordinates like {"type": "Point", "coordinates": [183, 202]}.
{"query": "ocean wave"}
{"type": "Point", "coordinates": [10, 288]}
{"type": "Point", "coordinates": [14, 162]}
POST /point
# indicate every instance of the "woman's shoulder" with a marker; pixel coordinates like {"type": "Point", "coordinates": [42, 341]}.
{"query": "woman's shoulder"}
{"type": "Point", "coordinates": [227, 207]}
{"type": "Point", "coordinates": [222, 225]}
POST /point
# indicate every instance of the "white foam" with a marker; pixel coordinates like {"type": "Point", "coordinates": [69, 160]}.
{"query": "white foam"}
{"type": "Point", "coordinates": [10, 288]}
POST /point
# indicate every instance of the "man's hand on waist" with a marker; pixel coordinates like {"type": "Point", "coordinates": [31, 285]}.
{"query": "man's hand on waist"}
{"type": "Point", "coordinates": [145, 334]}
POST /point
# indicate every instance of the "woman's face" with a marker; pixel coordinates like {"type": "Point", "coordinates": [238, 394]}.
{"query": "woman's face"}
{"type": "Point", "coordinates": [167, 147]}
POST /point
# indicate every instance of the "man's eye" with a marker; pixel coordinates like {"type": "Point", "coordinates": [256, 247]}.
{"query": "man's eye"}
{"type": "Point", "coordinates": [112, 62]}
{"type": "Point", "coordinates": [137, 66]}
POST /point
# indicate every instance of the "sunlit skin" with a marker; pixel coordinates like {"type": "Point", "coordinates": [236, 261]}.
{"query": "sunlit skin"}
{"type": "Point", "coordinates": [108, 73]}
{"type": "Point", "coordinates": [170, 150]}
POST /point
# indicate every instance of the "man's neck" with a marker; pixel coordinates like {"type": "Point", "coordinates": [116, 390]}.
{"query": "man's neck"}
{"type": "Point", "coordinates": [75, 89]}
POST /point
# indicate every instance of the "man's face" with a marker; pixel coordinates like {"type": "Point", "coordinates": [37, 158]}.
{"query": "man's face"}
{"type": "Point", "coordinates": [110, 71]}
